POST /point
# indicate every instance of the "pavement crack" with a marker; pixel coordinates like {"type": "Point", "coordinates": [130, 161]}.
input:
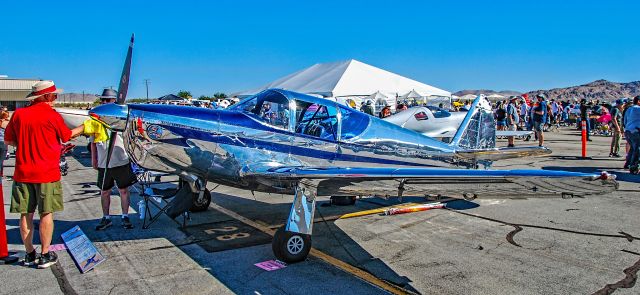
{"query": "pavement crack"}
{"type": "Point", "coordinates": [61, 278]}
{"type": "Point", "coordinates": [627, 282]}
{"type": "Point", "coordinates": [512, 233]}
{"type": "Point", "coordinates": [518, 227]}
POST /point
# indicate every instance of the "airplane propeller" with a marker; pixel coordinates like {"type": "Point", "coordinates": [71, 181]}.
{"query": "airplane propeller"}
{"type": "Point", "coordinates": [123, 88]}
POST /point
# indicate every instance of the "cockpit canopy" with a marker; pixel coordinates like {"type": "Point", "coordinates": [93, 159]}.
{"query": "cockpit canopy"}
{"type": "Point", "coordinates": [304, 114]}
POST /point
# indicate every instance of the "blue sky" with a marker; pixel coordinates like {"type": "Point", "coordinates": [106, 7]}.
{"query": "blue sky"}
{"type": "Point", "coordinates": [210, 46]}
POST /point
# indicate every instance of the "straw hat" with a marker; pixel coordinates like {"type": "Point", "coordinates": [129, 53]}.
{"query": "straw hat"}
{"type": "Point", "coordinates": [41, 88]}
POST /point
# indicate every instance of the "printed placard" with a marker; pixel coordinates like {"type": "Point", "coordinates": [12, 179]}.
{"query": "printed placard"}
{"type": "Point", "coordinates": [84, 253]}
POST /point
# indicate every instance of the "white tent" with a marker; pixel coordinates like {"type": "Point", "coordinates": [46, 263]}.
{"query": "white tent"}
{"type": "Point", "coordinates": [496, 97]}
{"type": "Point", "coordinates": [380, 101]}
{"type": "Point", "coordinates": [348, 79]}
{"type": "Point", "coordinates": [412, 95]}
{"type": "Point", "coordinates": [468, 97]}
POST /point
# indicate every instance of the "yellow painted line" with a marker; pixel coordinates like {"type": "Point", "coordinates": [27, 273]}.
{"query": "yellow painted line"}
{"type": "Point", "coordinates": [361, 274]}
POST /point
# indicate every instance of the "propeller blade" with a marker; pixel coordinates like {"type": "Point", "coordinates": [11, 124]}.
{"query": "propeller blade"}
{"type": "Point", "coordinates": [122, 95]}
{"type": "Point", "coordinates": [123, 88]}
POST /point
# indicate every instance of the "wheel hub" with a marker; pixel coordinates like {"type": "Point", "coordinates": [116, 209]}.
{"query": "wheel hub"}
{"type": "Point", "coordinates": [295, 244]}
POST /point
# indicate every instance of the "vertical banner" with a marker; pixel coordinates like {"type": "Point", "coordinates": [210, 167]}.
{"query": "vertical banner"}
{"type": "Point", "coordinates": [4, 247]}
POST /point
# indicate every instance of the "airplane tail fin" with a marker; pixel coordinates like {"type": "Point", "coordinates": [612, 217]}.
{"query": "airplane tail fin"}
{"type": "Point", "coordinates": [476, 137]}
{"type": "Point", "coordinates": [478, 128]}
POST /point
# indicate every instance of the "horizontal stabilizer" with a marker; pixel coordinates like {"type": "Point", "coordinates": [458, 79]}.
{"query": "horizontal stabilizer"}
{"type": "Point", "coordinates": [503, 153]}
{"type": "Point", "coordinates": [513, 133]}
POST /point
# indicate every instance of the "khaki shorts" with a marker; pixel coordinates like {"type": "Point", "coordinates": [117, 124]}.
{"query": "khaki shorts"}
{"type": "Point", "coordinates": [25, 197]}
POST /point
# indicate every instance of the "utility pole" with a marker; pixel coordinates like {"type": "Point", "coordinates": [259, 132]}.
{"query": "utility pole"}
{"type": "Point", "coordinates": [146, 84]}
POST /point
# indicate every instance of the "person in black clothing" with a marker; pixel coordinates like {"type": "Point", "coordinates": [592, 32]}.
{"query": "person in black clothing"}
{"type": "Point", "coordinates": [367, 108]}
{"type": "Point", "coordinates": [584, 116]}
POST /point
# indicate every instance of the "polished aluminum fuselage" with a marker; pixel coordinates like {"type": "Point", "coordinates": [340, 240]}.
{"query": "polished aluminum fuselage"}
{"type": "Point", "coordinates": [227, 146]}
{"type": "Point", "coordinates": [362, 156]}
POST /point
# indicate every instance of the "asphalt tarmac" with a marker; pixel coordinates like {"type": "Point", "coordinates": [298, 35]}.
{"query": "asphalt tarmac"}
{"type": "Point", "coordinates": [485, 246]}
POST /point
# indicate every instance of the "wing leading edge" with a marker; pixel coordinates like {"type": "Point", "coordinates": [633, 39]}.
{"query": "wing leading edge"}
{"type": "Point", "coordinates": [385, 182]}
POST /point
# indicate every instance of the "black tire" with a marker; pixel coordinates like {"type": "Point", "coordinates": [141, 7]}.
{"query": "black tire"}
{"type": "Point", "coordinates": [204, 204]}
{"type": "Point", "coordinates": [343, 200]}
{"type": "Point", "coordinates": [290, 247]}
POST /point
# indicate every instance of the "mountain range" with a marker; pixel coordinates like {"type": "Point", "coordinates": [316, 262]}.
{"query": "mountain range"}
{"type": "Point", "coordinates": [599, 89]}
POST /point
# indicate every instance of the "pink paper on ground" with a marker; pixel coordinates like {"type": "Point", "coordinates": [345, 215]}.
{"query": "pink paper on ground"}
{"type": "Point", "coordinates": [270, 265]}
{"type": "Point", "coordinates": [57, 247]}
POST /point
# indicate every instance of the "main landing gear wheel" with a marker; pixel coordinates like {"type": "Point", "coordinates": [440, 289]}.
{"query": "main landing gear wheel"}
{"type": "Point", "coordinates": [343, 200]}
{"type": "Point", "coordinates": [201, 205]}
{"type": "Point", "coordinates": [290, 247]}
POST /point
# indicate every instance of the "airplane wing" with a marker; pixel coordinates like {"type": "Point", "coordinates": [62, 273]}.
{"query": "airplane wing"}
{"type": "Point", "coordinates": [335, 181]}
{"type": "Point", "coordinates": [73, 117]}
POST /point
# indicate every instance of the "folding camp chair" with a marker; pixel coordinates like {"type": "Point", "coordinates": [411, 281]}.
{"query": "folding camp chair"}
{"type": "Point", "coordinates": [173, 201]}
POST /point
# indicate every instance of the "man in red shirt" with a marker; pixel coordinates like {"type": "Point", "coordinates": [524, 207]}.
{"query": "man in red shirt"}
{"type": "Point", "coordinates": [37, 132]}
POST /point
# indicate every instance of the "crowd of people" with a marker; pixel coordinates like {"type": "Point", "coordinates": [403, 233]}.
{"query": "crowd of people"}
{"type": "Point", "coordinates": [617, 119]}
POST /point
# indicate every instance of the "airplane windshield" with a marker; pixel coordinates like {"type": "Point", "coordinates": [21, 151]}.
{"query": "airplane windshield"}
{"type": "Point", "coordinates": [353, 123]}
{"type": "Point", "coordinates": [271, 109]}
{"type": "Point", "coordinates": [439, 112]}
{"type": "Point", "coordinates": [316, 120]}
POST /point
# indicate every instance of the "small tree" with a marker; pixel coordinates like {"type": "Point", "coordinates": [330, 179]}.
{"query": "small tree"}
{"type": "Point", "coordinates": [219, 95]}
{"type": "Point", "coordinates": [184, 94]}
{"type": "Point", "coordinates": [204, 97]}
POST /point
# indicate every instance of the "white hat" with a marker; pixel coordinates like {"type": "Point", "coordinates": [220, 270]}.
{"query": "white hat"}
{"type": "Point", "coordinates": [224, 103]}
{"type": "Point", "coordinates": [41, 88]}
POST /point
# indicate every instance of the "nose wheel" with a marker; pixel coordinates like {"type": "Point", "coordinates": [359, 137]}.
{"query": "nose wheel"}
{"type": "Point", "coordinates": [290, 247]}
{"type": "Point", "coordinates": [201, 204]}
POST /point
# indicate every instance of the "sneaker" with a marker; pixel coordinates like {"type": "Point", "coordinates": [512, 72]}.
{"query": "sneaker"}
{"type": "Point", "coordinates": [104, 223]}
{"type": "Point", "coordinates": [616, 155]}
{"type": "Point", "coordinates": [47, 259]}
{"type": "Point", "coordinates": [126, 223]}
{"type": "Point", "coordinates": [30, 258]}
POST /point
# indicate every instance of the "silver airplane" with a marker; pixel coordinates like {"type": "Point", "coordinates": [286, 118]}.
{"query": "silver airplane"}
{"type": "Point", "coordinates": [280, 141]}
{"type": "Point", "coordinates": [437, 122]}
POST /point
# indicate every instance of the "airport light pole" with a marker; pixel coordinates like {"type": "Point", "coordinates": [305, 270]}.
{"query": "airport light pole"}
{"type": "Point", "coordinates": [146, 84]}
